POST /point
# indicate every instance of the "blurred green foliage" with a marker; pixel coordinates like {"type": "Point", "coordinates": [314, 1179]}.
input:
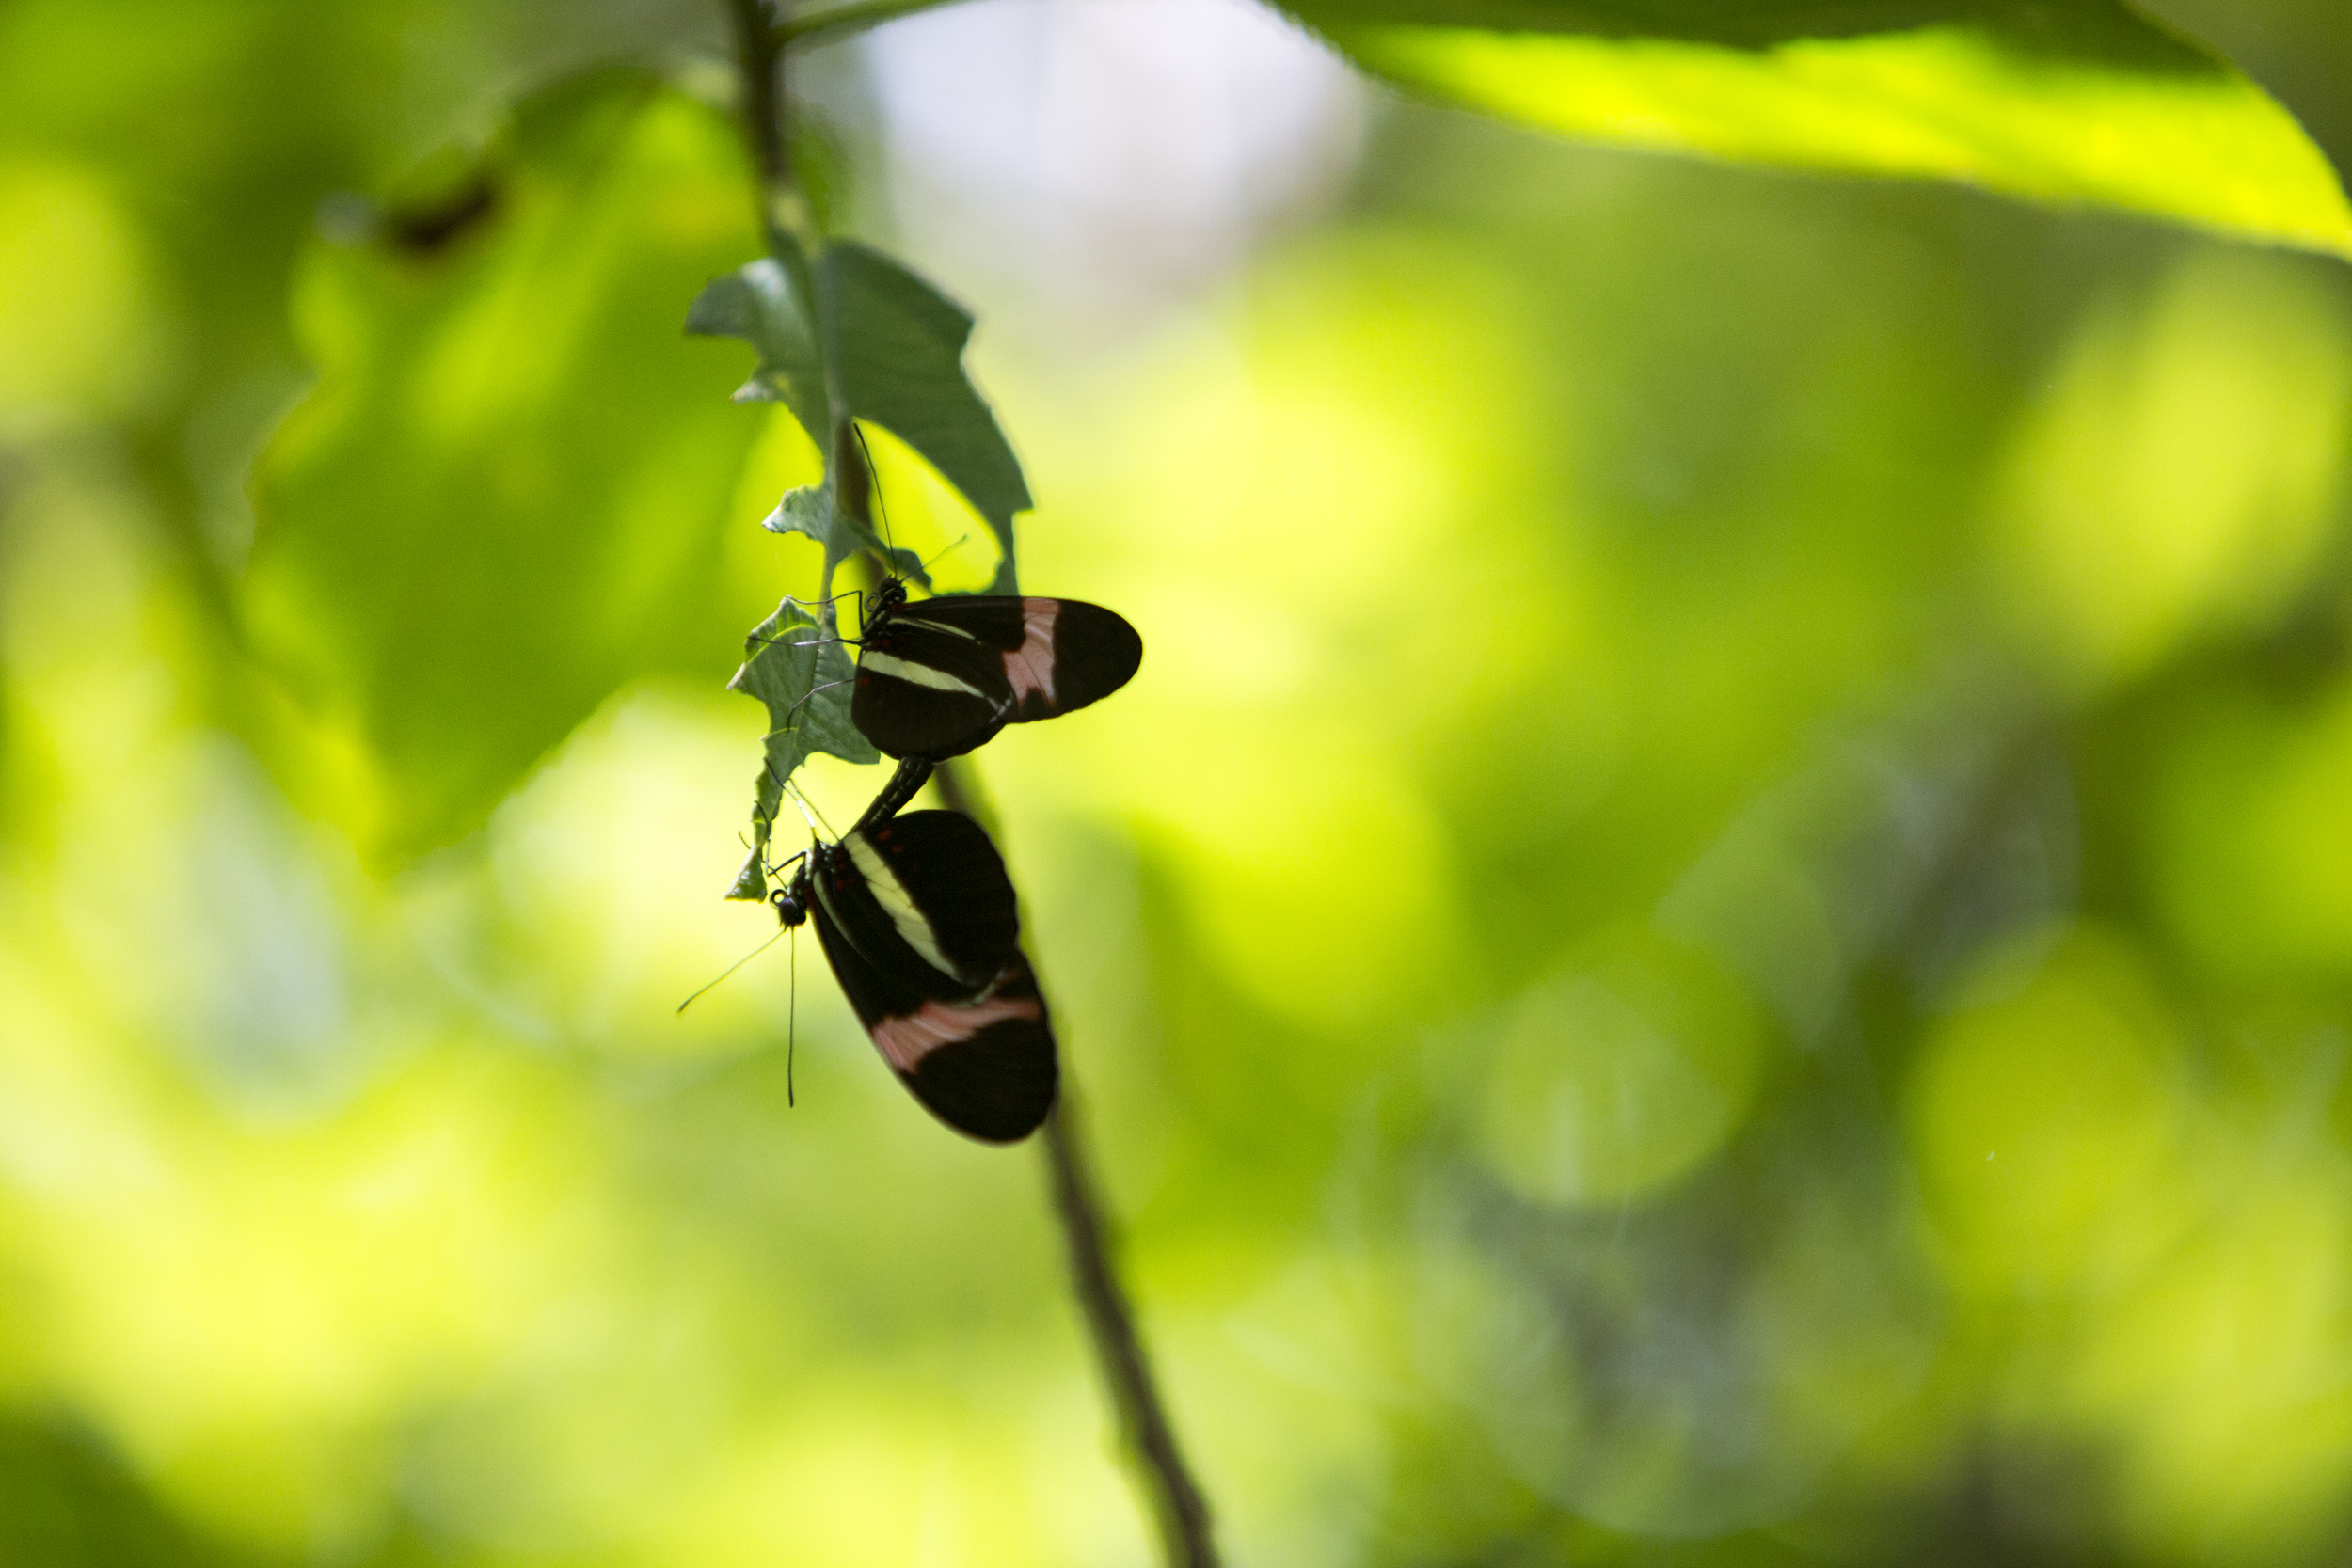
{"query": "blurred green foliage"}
{"type": "Point", "coordinates": [513, 394]}
{"type": "Point", "coordinates": [2058, 99]}
{"type": "Point", "coordinates": [1715, 933]}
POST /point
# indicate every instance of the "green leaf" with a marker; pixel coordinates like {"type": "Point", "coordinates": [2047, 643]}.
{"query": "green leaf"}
{"type": "Point", "coordinates": [795, 663]}
{"type": "Point", "coordinates": [751, 883]}
{"type": "Point", "coordinates": [757, 303]}
{"type": "Point", "coordinates": [2059, 101]}
{"type": "Point", "coordinates": [809, 510]}
{"type": "Point", "coordinates": [895, 348]}
{"type": "Point", "coordinates": [505, 496]}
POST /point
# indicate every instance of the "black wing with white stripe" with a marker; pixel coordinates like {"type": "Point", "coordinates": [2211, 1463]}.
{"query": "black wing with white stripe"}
{"type": "Point", "coordinates": [937, 678]}
{"type": "Point", "coordinates": [923, 896]}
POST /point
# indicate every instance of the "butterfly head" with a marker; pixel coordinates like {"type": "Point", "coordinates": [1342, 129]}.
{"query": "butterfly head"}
{"type": "Point", "coordinates": [792, 900]}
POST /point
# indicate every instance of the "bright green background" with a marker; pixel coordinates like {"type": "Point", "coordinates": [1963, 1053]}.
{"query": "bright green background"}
{"type": "Point", "coordinates": [1716, 933]}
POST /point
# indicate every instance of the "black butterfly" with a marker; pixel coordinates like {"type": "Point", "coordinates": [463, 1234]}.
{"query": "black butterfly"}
{"type": "Point", "coordinates": [917, 919]}
{"type": "Point", "coordinates": [937, 678]}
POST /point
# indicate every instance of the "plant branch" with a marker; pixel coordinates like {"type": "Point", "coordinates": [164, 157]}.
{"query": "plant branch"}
{"type": "Point", "coordinates": [1176, 1502]}
{"type": "Point", "coordinates": [855, 17]}
{"type": "Point", "coordinates": [759, 58]}
{"type": "Point", "coordinates": [790, 226]}
{"type": "Point", "coordinates": [786, 220]}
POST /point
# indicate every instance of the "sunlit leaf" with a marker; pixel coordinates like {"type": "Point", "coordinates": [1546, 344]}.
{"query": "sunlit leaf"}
{"type": "Point", "coordinates": [2062, 100]}
{"type": "Point", "coordinates": [794, 662]}
{"type": "Point", "coordinates": [896, 345]}
{"type": "Point", "coordinates": [899, 346]}
{"type": "Point", "coordinates": [504, 497]}
{"type": "Point", "coordinates": [755, 303]}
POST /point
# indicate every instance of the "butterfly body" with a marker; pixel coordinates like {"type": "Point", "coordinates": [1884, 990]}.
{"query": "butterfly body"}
{"type": "Point", "coordinates": [937, 678]}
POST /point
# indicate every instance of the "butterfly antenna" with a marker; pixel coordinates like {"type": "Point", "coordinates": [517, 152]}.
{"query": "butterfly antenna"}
{"type": "Point", "coordinates": [882, 502]}
{"type": "Point", "coordinates": [826, 604]}
{"type": "Point", "coordinates": [788, 726]}
{"type": "Point", "coordinates": [817, 823]}
{"type": "Point", "coordinates": [733, 967]}
{"type": "Point", "coordinates": [946, 550]}
{"type": "Point", "coordinates": [812, 643]}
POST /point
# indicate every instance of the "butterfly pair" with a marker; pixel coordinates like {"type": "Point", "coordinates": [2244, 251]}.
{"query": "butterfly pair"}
{"type": "Point", "coordinates": [915, 911]}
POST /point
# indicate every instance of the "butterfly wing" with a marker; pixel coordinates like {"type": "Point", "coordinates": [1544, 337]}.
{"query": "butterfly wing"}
{"type": "Point", "coordinates": [1071, 653]}
{"type": "Point", "coordinates": [923, 896]}
{"type": "Point", "coordinates": [984, 1064]}
{"type": "Point", "coordinates": [931, 684]}
{"type": "Point", "coordinates": [939, 677]}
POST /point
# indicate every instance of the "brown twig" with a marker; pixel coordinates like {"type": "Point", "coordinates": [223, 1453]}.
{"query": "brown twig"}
{"type": "Point", "coordinates": [1176, 1500]}
{"type": "Point", "coordinates": [759, 59]}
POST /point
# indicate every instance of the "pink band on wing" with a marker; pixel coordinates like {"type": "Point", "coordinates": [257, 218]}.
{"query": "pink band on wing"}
{"type": "Point", "coordinates": [904, 1042]}
{"type": "Point", "coordinates": [1030, 667]}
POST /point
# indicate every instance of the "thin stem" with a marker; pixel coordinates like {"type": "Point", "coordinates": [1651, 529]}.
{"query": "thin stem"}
{"type": "Point", "coordinates": [786, 220]}
{"type": "Point", "coordinates": [1175, 1497]}
{"type": "Point", "coordinates": [1176, 1500]}
{"type": "Point", "coordinates": [759, 57]}
{"type": "Point", "coordinates": [784, 210]}
{"type": "Point", "coordinates": [855, 17]}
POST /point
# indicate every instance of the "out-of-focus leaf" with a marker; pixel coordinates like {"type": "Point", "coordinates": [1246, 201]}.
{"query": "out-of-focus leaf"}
{"type": "Point", "coordinates": [794, 662]}
{"type": "Point", "coordinates": [504, 497]}
{"type": "Point", "coordinates": [2064, 101]}
{"type": "Point", "coordinates": [755, 303]}
{"type": "Point", "coordinates": [64, 1499]}
{"type": "Point", "coordinates": [896, 348]}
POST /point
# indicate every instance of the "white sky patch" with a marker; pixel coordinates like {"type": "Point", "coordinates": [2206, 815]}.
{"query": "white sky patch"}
{"type": "Point", "coordinates": [1123, 151]}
